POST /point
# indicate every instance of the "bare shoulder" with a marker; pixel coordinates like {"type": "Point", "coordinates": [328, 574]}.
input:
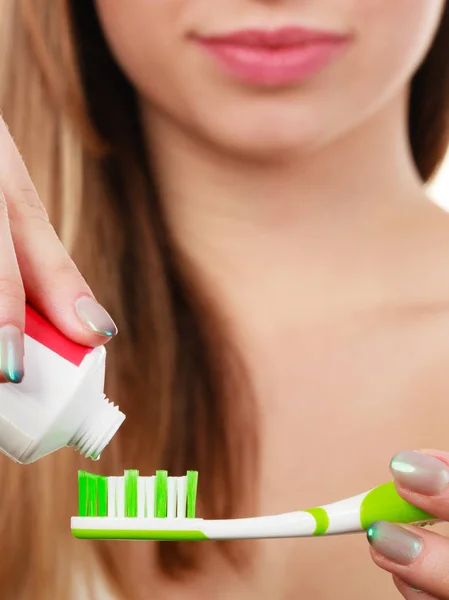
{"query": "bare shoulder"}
{"type": "Point", "coordinates": [423, 255]}
{"type": "Point", "coordinates": [419, 324]}
{"type": "Point", "coordinates": [415, 328]}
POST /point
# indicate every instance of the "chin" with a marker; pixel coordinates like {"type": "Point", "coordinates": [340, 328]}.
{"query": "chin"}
{"type": "Point", "coordinates": [268, 150]}
{"type": "Point", "coordinates": [268, 139]}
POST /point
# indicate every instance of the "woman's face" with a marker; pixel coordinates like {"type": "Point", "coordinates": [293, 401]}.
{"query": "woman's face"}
{"type": "Point", "coordinates": [216, 68]}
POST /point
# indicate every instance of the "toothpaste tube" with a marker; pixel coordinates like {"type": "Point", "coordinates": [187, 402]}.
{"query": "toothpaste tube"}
{"type": "Point", "coordinates": [60, 401]}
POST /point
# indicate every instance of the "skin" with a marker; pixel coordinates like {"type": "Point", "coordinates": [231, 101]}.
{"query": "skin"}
{"type": "Point", "coordinates": [303, 211]}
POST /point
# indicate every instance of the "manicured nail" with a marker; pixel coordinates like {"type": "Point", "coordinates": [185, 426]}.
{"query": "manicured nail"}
{"type": "Point", "coordinates": [94, 316]}
{"type": "Point", "coordinates": [420, 472]}
{"type": "Point", "coordinates": [396, 543]}
{"type": "Point", "coordinates": [11, 353]}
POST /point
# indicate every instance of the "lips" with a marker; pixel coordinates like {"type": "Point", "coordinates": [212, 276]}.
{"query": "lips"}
{"type": "Point", "coordinates": [280, 38]}
{"type": "Point", "coordinates": [282, 57]}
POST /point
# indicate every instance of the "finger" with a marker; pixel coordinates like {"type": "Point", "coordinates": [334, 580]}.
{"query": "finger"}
{"type": "Point", "coordinates": [12, 304]}
{"type": "Point", "coordinates": [417, 556]}
{"type": "Point", "coordinates": [411, 593]}
{"type": "Point", "coordinates": [52, 282]}
{"type": "Point", "coordinates": [54, 285]}
{"type": "Point", "coordinates": [422, 478]}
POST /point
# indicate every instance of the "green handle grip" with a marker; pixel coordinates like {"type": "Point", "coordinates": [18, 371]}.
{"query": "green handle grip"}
{"type": "Point", "coordinates": [383, 503]}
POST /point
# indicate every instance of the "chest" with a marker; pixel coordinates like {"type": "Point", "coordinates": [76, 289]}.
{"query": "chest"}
{"type": "Point", "coordinates": [333, 409]}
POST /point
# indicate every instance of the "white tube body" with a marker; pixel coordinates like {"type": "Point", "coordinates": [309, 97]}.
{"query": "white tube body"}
{"type": "Point", "coordinates": [60, 401]}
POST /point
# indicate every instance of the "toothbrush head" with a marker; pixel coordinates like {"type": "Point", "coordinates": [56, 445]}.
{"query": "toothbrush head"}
{"type": "Point", "coordinates": [133, 507]}
{"type": "Point", "coordinates": [131, 496]}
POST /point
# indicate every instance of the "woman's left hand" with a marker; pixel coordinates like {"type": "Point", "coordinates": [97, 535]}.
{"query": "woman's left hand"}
{"type": "Point", "coordinates": [417, 558]}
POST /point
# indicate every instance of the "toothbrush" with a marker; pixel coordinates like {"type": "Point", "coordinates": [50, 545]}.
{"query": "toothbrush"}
{"type": "Point", "coordinates": [163, 508]}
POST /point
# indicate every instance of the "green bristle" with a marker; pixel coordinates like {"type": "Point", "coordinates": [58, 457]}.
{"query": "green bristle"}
{"type": "Point", "coordinates": [82, 493]}
{"type": "Point", "coordinates": [192, 487]}
{"type": "Point", "coordinates": [91, 495]}
{"type": "Point", "coordinates": [161, 494]}
{"type": "Point", "coordinates": [102, 489]}
{"type": "Point", "coordinates": [131, 478]}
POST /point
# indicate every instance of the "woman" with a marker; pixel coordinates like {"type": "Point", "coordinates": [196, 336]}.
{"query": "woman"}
{"type": "Point", "coordinates": [241, 183]}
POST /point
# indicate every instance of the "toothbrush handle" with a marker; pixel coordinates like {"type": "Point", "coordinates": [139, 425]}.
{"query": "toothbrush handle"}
{"type": "Point", "coordinates": [351, 515]}
{"type": "Point", "coordinates": [382, 503]}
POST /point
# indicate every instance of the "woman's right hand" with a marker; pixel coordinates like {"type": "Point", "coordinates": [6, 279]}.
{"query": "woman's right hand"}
{"type": "Point", "coordinates": [35, 265]}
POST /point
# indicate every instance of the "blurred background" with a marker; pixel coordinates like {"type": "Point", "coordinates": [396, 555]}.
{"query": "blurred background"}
{"type": "Point", "coordinates": [439, 190]}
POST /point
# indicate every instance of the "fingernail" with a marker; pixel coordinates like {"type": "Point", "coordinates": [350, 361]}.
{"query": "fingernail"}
{"type": "Point", "coordinates": [94, 316]}
{"type": "Point", "coordinates": [420, 472]}
{"type": "Point", "coordinates": [11, 353]}
{"type": "Point", "coordinates": [396, 543]}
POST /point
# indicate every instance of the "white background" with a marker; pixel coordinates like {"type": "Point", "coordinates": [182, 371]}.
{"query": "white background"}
{"type": "Point", "coordinates": [439, 190]}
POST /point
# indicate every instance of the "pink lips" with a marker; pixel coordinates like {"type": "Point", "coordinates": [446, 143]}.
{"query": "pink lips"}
{"type": "Point", "coordinates": [274, 58]}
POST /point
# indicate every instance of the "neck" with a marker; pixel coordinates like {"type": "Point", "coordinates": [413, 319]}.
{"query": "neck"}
{"type": "Point", "coordinates": [294, 223]}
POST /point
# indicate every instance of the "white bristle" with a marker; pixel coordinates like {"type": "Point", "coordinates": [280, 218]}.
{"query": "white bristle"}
{"type": "Point", "coordinates": [120, 496]}
{"type": "Point", "coordinates": [176, 500]}
{"type": "Point", "coordinates": [171, 500]}
{"type": "Point", "coordinates": [141, 500]}
{"type": "Point", "coordinates": [149, 493]}
{"type": "Point", "coordinates": [112, 494]}
{"type": "Point", "coordinates": [181, 497]}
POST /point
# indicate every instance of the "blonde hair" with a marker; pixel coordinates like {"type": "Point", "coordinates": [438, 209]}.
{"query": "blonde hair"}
{"type": "Point", "coordinates": [172, 369]}
{"type": "Point", "coordinates": [38, 558]}
{"type": "Point", "coordinates": [168, 370]}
